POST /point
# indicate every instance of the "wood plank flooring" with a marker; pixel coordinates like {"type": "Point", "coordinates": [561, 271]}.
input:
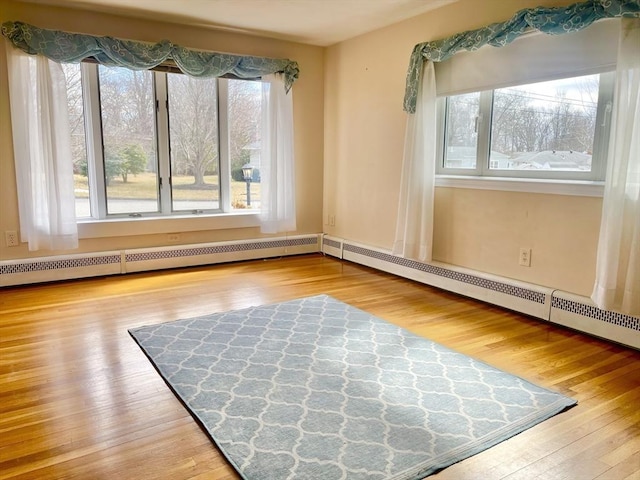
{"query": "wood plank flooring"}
{"type": "Point", "coordinates": [79, 400]}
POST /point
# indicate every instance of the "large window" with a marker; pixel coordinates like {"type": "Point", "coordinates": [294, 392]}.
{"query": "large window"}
{"type": "Point", "coordinates": [555, 129]}
{"type": "Point", "coordinates": [150, 143]}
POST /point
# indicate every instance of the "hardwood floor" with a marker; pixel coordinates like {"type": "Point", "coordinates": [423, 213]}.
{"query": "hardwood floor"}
{"type": "Point", "coordinates": [79, 399]}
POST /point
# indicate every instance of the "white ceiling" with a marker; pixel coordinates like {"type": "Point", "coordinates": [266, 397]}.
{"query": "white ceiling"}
{"type": "Point", "coordinates": [316, 22]}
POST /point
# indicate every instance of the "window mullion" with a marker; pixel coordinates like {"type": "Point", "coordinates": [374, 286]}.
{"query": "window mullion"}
{"type": "Point", "coordinates": [441, 118]}
{"type": "Point", "coordinates": [603, 125]}
{"type": "Point", "coordinates": [162, 137]}
{"type": "Point", "coordinates": [93, 129]}
{"type": "Point", "coordinates": [223, 145]}
{"type": "Point", "coordinates": [484, 133]}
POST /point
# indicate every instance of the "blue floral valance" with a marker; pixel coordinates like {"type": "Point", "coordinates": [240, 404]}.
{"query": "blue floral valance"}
{"type": "Point", "coordinates": [67, 47]}
{"type": "Point", "coordinates": [552, 21]}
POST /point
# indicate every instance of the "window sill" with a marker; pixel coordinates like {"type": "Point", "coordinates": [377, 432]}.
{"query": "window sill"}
{"type": "Point", "coordinates": [120, 227]}
{"type": "Point", "coordinates": [528, 185]}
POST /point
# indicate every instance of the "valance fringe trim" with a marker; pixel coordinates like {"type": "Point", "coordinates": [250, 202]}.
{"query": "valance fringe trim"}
{"type": "Point", "coordinates": [552, 21]}
{"type": "Point", "coordinates": [65, 47]}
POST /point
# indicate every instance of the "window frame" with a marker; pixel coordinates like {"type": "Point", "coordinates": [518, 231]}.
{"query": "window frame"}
{"type": "Point", "coordinates": [95, 152]}
{"type": "Point", "coordinates": [482, 168]}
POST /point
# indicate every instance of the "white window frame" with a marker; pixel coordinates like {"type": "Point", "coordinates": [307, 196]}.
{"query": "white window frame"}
{"type": "Point", "coordinates": [446, 176]}
{"type": "Point", "coordinates": [95, 153]}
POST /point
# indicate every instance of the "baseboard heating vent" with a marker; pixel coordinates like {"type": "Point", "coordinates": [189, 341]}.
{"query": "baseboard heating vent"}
{"type": "Point", "coordinates": [522, 297]}
{"type": "Point", "coordinates": [202, 254]}
{"type": "Point", "coordinates": [559, 307]}
{"type": "Point", "coordinates": [48, 269]}
{"type": "Point", "coordinates": [332, 246]}
{"type": "Point", "coordinates": [580, 313]}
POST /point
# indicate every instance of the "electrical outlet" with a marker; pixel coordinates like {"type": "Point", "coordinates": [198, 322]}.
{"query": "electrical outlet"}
{"type": "Point", "coordinates": [11, 238]}
{"type": "Point", "coordinates": [332, 220]}
{"type": "Point", "coordinates": [525, 257]}
{"type": "Point", "coordinates": [173, 237]}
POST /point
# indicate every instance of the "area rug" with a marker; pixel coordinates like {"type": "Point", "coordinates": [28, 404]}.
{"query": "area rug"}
{"type": "Point", "coordinates": [317, 389]}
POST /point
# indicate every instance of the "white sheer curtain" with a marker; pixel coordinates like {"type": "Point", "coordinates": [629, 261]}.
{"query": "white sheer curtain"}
{"type": "Point", "coordinates": [414, 228]}
{"type": "Point", "coordinates": [277, 176]}
{"type": "Point", "coordinates": [617, 284]}
{"type": "Point", "coordinates": [42, 151]}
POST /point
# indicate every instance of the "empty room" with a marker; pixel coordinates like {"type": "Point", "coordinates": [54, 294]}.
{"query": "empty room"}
{"type": "Point", "coordinates": [320, 239]}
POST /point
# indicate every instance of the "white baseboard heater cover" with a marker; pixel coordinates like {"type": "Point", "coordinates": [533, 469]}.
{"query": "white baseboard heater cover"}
{"type": "Point", "coordinates": [332, 246]}
{"type": "Point", "coordinates": [66, 267]}
{"type": "Point", "coordinates": [559, 307]}
{"type": "Point", "coordinates": [522, 297]}
{"type": "Point", "coordinates": [580, 313]}
{"type": "Point", "coordinates": [62, 267]}
{"type": "Point", "coordinates": [544, 303]}
{"type": "Point", "coordinates": [189, 255]}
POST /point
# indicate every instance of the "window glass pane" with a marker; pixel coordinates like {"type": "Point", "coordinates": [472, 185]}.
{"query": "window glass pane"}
{"type": "Point", "coordinates": [78, 142]}
{"type": "Point", "coordinates": [128, 129]}
{"type": "Point", "coordinates": [244, 142]}
{"type": "Point", "coordinates": [461, 131]}
{"type": "Point", "coordinates": [545, 126]}
{"type": "Point", "coordinates": [193, 133]}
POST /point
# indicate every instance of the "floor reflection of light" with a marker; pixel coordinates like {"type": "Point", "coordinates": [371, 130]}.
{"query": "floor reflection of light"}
{"type": "Point", "coordinates": [98, 377]}
{"type": "Point", "coordinates": [240, 298]}
{"type": "Point", "coordinates": [91, 386]}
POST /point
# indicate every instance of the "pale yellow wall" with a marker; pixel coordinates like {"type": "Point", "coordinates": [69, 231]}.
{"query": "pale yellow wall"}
{"type": "Point", "coordinates": [364, 136]}
{"type": "Point", "coordinates": [484, 230]}
{"type": "Point", "coordinates": [308, 117]}
{"type": "Point", "coordinates": [349, 120]}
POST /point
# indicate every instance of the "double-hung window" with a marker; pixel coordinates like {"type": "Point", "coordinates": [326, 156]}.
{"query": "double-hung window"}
{"type": "Point", "coordinates": [157, 143]}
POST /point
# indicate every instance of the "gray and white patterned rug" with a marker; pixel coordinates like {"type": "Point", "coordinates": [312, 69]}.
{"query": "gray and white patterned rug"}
{"type": "Point", "coordinates": [316, 389]}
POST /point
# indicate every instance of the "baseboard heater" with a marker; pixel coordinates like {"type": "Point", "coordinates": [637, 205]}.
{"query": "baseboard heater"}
{"type": "Point", "coordinates": [47, 269]}
{"type": "Point", "coordinates": [544, 303]}
{"type": "Point", "coordinates": [556, 306]}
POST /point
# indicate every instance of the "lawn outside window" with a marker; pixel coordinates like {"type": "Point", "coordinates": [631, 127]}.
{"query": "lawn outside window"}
{"type": "Point", "coordinates": [152, 144]}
